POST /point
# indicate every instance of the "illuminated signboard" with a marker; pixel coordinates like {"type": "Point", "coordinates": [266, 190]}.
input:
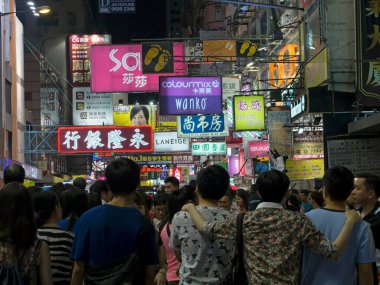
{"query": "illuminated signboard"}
{"type": "Point", "coordinates": [202, 126]}
{"type": "Point", "coordinates": [208, 148]}
{"type": "Point", "coordinates": [249, 113]}
{"type": "Point", "coordinates": [105, 138]}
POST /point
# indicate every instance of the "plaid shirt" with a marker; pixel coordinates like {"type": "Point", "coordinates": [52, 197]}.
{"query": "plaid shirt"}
{"type": "Point", "coordinates": [273, 238]}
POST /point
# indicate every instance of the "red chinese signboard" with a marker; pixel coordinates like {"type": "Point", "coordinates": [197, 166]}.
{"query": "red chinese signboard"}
{"type": "Point", "coordinates": [79, 53]}
{"type": "Point", "coordinates": [104, 139]}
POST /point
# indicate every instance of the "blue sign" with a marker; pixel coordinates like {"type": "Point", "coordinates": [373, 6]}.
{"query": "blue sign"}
{"type": "Point", "coordinates": [117, 6]}
{"type": "Point", "coordinates": [202, 126]}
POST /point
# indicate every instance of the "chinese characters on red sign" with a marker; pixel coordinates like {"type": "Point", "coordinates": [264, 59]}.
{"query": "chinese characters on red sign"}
{"type": "Point", "coordinates": [105, 138]}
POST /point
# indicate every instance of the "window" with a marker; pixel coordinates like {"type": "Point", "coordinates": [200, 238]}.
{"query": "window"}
{"type": "Point", "coordinates": [8, 97]}
{"type": "Point", "coordinates": [312, 35]}
{"type": "Point", "coordinates": [49, 20]}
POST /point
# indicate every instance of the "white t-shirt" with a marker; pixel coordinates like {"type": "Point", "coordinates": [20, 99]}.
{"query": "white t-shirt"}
{"type": "Point", "coordinates": [204, 260]}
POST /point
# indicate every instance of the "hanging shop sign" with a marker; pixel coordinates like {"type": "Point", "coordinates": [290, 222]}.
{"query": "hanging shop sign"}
{"type": "Point", "coordinates": [304, 169]}
{"type": "Point", "coordinates": [298, 106]}
{"type": "Point", "coordinates": [118, 68]}
{"type": "Point", "coordinates": [368, 50]}
{"type": "Point", "coordinates": [280, 137]}
{"type": "Point", "coordinates": [254, 148]}
{"type": "Point", "coordinates": [117, 6]}
{"type": "Point", "coordinates": [183, 159]}
{"type": "Point", "coordinates": [316, 70]}
{"type": "Point", "coordinates": [190, 95]}
{"type": "Point", "coordinates": [49, 104]}
{"type": "Point", "coordinates": [233, 165]}
{"type": "Point", "coordinates": [157, 57]}
{"type": "Point", "coordinates": [246, 48]}
{"type": "Point", "coordinates": [230, 86]}
{"type": "Point", "coordinates": [135, 115]}
{"type": "Point", "coordinates": [194, 51]}
{"type": "Point", "coordinates": [106, 138]}
{"type": "Point", "coordinates": [249, 113]}
{"type": "Point", "coordinates": [151, 159]}
{"type": "Point", "coordinates": [202, 126]}
{"type": "Point", "coordinates": [219, 50]}
{"type": "Point", "coordinates": [308, 150]}
{"type": "Point", "coordinates": [208, 148]}
{"type": "Point", "coordinates": [166, 122]}
{"type": "Point", "coordinates": [309, 135]}
{"type": "Point", "coordinates": [169, 142]}
{"type": "Point", "coordinates": [91, 109]}
{"type": "Point", "coordinates": [79, 56]}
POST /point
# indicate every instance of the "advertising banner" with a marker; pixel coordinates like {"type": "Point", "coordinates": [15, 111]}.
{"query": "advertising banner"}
{"type": "Point", "coordinates": [135, 115]}
{"type": "Point", "coordinates": [169, 142]}
{"type": "Point", "coordinates": [219, 50]}
{"type": "Point", "coordinates": [183, 159]}
{"type": "Point", "coordinates": [102, 139]}
{"type": "Point", "coordinates": [118, 68]}
{"type": "Point", "coordinates": [304, 169]}
{"type": "Point", "coordinates": [254, 148]}
{"type": "Point", "coordinates": [202, 126]}
{"type": "Point", "coordinates": [308, 150]}
{"type": "Point", "coordinates": [249, 113]}
{"type": "Point", "coordinates": [158, 57]}
{"type": "Point", "coordinates": [208, 148]}
{"type": "Point", "coordinates": [151, 159]}
{"type": "Point", "coordinates": [280, 138]}
{"type": "Point", "coordinates": [233, 165]}
{"type": "Point", "coordinates": [194, 51]}
{"type": "Point", "coordinates": [117, 6]}
{"type": "Point", "coordinates": [90, 109]}
{"type": "Point", "coordinates": [368, 50]}
{"type": "Point", "coordinates": [166, 122]}
{"type": "Point", "coordinates": [246, 48]}
{"type": "Point", "coordinates": [316, 70]}
{"type": "Point", "coordinates": [190, 95]}
{"type": "Point", "coordinates": [230, 86]}
{"type": "Point", "coordinates": [79, 56]}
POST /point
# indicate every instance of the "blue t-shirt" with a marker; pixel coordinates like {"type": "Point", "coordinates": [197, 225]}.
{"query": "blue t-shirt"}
{"type": "Point", "coordinates": [64, 223]}
{"type": "Point", "coordinates": [107, 233]}
{"type": "Point", "coordinates": [360, 248]}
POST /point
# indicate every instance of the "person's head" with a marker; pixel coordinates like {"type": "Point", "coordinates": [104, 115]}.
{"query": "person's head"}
{"type": "Point", "coordinates": [122, 176]}
{"type": "Point", "coordinates": [171, 184]}
{"type": "Point", "coordinates": [139, 115]}
{"type": "Point", "coordinates": [74, 203]}
{"type": "Point", "coordinates": [100, 187]}
{"type": "Point", "coordinates": [186, 195]}
{"type": "Point", "coordinates": [47, 207]}
{"type": "Point", "coordinates": [367, 189]}
{"type": "Point", "coordinates": [14, 173]}
{"type": "Point", "coordinates": [253, 188]}
{"type": "Point", "coordinates": [272, 186]}
{"type": "Point", "coordinates": [58, 188]}
{"type": "Point", "coordinates": [339, 183]}
{"type": "Point", "coordinates": [304, 195]}
{"type": "Point", "coordinates": [160, 209]}
{"type": "Point", "coordinates": [295, 192]}
{"type": "Point", "coordinates": [212, 182]}
{"type": "Point", "coordinates": [93, 200]}
{"type": "Point", "coordinates": [17, 223]}
{"type": "Point", "coordinates": [316, 199]}
{"type": "Point", "coordinates": [242, 199]}
{"type": "Point", "coordinates": [80, 183]}
{"type": "Point", "coordinates": [293, 203]}
{"type": "Point", "coordinates": [226, 201]}
{"type": "Point", "coordinates": [143, 202]}
{"type": "Point", "coordinates": [34, 189]}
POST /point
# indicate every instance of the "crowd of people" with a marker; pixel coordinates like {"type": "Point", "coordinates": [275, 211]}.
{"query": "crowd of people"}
{"type": "Point", "coordinates": [115, 234]}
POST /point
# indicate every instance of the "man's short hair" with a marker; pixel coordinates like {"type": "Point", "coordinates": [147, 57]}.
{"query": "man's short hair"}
{"type": "Point", "coordinates": [99, 186]}
{"type": "Point", "coordinates": [304, 192]}
{"type": "Point", "coordinates": [339, 183]}
{"type": "Point", "coordinates": [14, 173]}
{"type": "Point", "coordinates": [173, 180]}
{"type": "Point", "coordinates": [371, 181]}
{"type": "Point", "coordinates": [212, 182]}
{"type": "Point", "coordinates": [80, 182]}
{"type": "Point", "coordinates": [122, 176]}
{"type": "Point", "coordinates": [272, 186]}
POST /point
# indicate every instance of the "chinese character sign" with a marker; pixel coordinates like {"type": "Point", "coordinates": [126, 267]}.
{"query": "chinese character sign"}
{"type": "Point", "coordinates": [208, 148]}
{"type": "Point", "coordinates": [79, 56]}
{"type": "Point", "coordinates": [105, 138]}
{"type": "Point", "coordinates": [202, 126]}
{"type": "Point", "coordinates": [190, 95]}
{"type": "Point", "coordinates": [249, 113]}
{"type": "Point", "coordinates": [368, 50]}
{"type": "Point", "coordinates": [230, 86]}
{"type": "Point", "coordinates": [119, 68]}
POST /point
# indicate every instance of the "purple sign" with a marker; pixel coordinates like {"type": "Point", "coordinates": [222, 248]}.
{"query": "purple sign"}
{"type": "Point", "coordinates": [233, 165]}
{"type": "Point", "coordinates": [190, 95]}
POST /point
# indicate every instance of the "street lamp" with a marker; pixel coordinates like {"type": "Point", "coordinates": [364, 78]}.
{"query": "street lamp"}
{"type": "Point", "coordinates": [42, 10]}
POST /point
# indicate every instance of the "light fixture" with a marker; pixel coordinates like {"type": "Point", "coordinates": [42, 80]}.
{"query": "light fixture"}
{"type": "Point", "coordinates": [151, 103]}
{"type": "Point", "coordinates": [262, 48]}
{"type": "Point", "coordinates": [32, 8]}
{"type": "Point", "coordinates": [43, 10]}
{"type": "Point", "coordinates": [300, 131]}
{"type": "Point", "coordinates": [250, 64]}
{"type": "Point", "coordinates": [30, 3]}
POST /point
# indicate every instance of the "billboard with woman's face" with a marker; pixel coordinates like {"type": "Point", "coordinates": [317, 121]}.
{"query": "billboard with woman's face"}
{"type": "Point", "coordinates": [135, 115]}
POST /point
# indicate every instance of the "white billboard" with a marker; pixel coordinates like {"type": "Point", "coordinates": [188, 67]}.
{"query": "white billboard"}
{"type": "Point", "coordinates": [169, 142]}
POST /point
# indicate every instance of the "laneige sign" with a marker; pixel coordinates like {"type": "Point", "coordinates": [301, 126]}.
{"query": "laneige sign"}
{"type": "Point", "coordinates": [169, 142]}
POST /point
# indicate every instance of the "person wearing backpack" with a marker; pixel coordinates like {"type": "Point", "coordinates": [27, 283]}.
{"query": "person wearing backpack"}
{"type": "Point", "coordinates": [23, 259]}
{"type": "Point", "coordinates": [115, 243]}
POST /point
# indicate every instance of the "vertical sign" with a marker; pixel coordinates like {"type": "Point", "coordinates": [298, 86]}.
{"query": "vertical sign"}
{"type": "Point", "coordinates": [368, 50]}
{"type": "Point", "coordinates": [280, 137]}
{"type": "Point", "coordinates": [79, 57]}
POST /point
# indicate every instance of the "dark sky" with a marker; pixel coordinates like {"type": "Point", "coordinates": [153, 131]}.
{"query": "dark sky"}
{"type": "Point", "coordinates": [149, 22]}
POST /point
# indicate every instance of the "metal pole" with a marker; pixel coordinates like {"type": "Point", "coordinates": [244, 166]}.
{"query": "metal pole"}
{"type": "Point", "coordinates": [2, 95]}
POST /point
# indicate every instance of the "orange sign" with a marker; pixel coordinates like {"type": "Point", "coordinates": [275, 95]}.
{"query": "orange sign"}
{"type": "Point", "coordinates": [283, 71]}
{"type": "Point", "coordinates": [219, 50]}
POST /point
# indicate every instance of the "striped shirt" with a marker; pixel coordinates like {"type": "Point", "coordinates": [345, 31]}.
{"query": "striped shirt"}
{"type": "Point", "coordinates": [60, 243]}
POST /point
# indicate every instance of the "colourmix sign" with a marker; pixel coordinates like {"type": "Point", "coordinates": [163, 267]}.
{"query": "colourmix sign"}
{"type": "Point", "coordinates": [190, 95]}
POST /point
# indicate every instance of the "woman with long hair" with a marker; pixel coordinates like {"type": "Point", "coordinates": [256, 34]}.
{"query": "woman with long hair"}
{"type": "Point", "coordinates": [242, 200]}
{"type": "Point", "coordinates": [19, 246]}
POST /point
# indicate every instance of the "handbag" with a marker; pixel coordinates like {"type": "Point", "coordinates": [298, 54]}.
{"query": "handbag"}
{"type": "Point", "coordinates": [238, 274]}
